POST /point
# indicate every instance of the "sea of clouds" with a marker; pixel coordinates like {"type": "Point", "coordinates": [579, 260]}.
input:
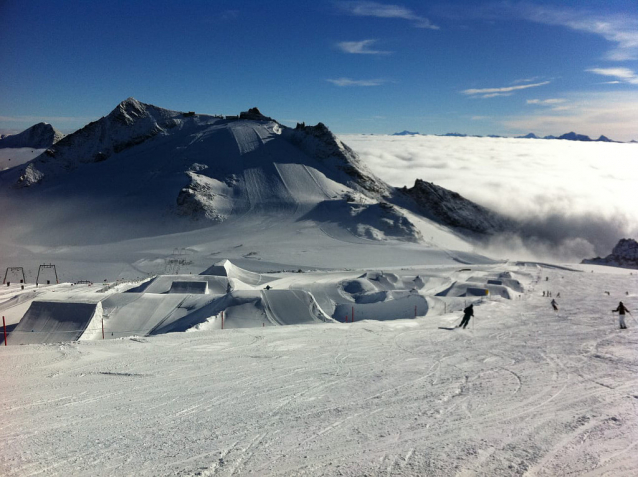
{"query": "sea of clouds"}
{"type": "Point", "coordinates": [573, 200]}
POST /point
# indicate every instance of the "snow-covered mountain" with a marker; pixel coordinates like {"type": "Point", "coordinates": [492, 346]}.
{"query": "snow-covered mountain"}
{"type": "Point", "coordinates": [38, 136]}
{"type": "Point", "coordinates": [147, 171]}
{"type": "Point", "coordinates": [624, 254]}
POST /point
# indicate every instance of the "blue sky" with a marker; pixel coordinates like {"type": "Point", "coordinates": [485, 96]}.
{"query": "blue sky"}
{"type": "Point", "coordinates": [358, 66]}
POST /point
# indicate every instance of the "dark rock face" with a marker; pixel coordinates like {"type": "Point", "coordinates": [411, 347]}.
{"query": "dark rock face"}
{"type": "Point", "coordinates": [624, 254]}
{"type": "Point", "coordinates": [319, 142]}
{"type": "Point", "coordinates": [39, 136]}
{"type": "Point", "coordinates": [450, 208]}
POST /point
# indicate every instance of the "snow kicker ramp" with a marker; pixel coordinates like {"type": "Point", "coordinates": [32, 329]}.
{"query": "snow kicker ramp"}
{"type": "Point", "coordinates": [127, 314]}
{"type": "Point", "coordinates": [292, 307]}
{"type": "Point", "coordinates": [52, 322]}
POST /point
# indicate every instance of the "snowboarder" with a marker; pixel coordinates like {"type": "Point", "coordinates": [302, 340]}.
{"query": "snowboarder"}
{"type": "Point", "coordinates": [554, 305]}
{"type": "Point", "coordinates": [621, 314]}
{"type": "Point", "coordinates": [467, 313]}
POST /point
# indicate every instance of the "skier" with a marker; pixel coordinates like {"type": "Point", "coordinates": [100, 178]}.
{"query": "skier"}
{"type": "Point", "coordinates": [554, 305]}
{"type": "Point", "coordinates": [621, 315]}
{"type": "Point", "coordinates": [468, 312]}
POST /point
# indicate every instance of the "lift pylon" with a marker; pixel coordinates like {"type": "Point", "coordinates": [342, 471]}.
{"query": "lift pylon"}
{"type": "Point", "coordinates": [14, 269]}
{"type": "Point", "coordinates": [50, 265]}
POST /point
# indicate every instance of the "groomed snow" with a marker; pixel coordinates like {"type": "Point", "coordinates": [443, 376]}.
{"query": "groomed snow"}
{"type": "Point", "coordinates": [523, 391]}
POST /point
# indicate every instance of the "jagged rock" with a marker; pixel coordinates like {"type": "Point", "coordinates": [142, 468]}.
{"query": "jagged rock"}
{"type": "Point", "coordinates": [624, 254]}
{"type": "Point", "coordinates": [30, 176]}
{"type": "Point", "coordinates": [254, 114]}
{"type": "Point", "coordinates": [39, 136]}
{"type": "Point", "coordinates": [452, 209]}
{"type": "Point", "coordinates": [319, 142]}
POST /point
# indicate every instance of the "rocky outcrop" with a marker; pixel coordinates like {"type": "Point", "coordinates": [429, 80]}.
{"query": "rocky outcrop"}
{"type": "Point", "coordinates": [39, 136]}
{"type": "Point", "coordinates": [624, 254]}
{"type": "Point", "coordinates": [319, 142]}
{"type": "Point", "coordinates": [254, 114]}
{"type": "Point", "coordinates": [452, 209]}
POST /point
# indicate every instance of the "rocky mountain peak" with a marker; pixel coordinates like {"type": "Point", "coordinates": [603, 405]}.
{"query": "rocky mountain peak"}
{"type": "Point", "coordinates": [624, 254]}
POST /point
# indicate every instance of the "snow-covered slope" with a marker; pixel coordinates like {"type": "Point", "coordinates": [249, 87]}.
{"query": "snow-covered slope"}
{"type": "Point", "coordinates": [38, 136]}
{"type": "Point", "coordinates": [524, 390]}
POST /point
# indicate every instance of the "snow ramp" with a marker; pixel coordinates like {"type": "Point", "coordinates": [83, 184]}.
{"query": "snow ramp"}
{"type": "Point", "coordinates": [292, 307]}
{"type": "Point", "coordinates": [53, 322]}
{"type": "Point", "coordinates": [128, 314]}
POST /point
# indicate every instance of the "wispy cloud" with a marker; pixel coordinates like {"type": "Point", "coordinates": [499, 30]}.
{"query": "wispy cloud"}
{"type": "Point", "coordinates": [546, 102]}
{"type": "Point", "coordinates": [504, 91]}
{"type": "Point", "coordinates": [525, 80]}
{"type": "Point", "coordinates": [382, 10]}
{"type": "Point", "coordinates": [624, 75]}
{"type": "Point", "coordinates": [352, 82]}
{"type": "Point", "coordinates": [360, 47]}
{"type": "Point", "coordinates": [619, 29]}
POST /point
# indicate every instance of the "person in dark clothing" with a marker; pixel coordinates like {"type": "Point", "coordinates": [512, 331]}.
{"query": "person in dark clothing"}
{"type": "Point", "coordinates": [467, 313]}
{"type": "Point", "coordinates": [621, 315]}
{"type": "Point", "coordinates": [554, 305]}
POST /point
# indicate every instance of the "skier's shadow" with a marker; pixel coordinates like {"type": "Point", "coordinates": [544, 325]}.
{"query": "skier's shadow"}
{"type": "Point", "coordinates": [444, 328]}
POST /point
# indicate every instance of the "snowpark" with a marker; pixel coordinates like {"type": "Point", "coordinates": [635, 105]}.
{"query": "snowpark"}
{"type": "Point", "coordinates": [272, 307]}
{"type": "Point", "coordinates": [522, 391]}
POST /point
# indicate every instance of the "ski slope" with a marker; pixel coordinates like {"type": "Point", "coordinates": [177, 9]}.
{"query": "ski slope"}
{"type": "Point", "coordinates": [523, 390]}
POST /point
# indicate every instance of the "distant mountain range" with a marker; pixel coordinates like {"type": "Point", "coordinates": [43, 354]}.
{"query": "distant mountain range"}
{"type": "Point", "coordinates": [571, 136]}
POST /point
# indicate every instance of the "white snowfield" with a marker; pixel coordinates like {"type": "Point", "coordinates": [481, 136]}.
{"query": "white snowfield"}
{"type": "Point", "coordinates": [523, 390]}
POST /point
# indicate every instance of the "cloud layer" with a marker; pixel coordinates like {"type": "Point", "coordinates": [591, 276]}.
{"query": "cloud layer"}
{"type": "Point", "coordinates": [575, 199]}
